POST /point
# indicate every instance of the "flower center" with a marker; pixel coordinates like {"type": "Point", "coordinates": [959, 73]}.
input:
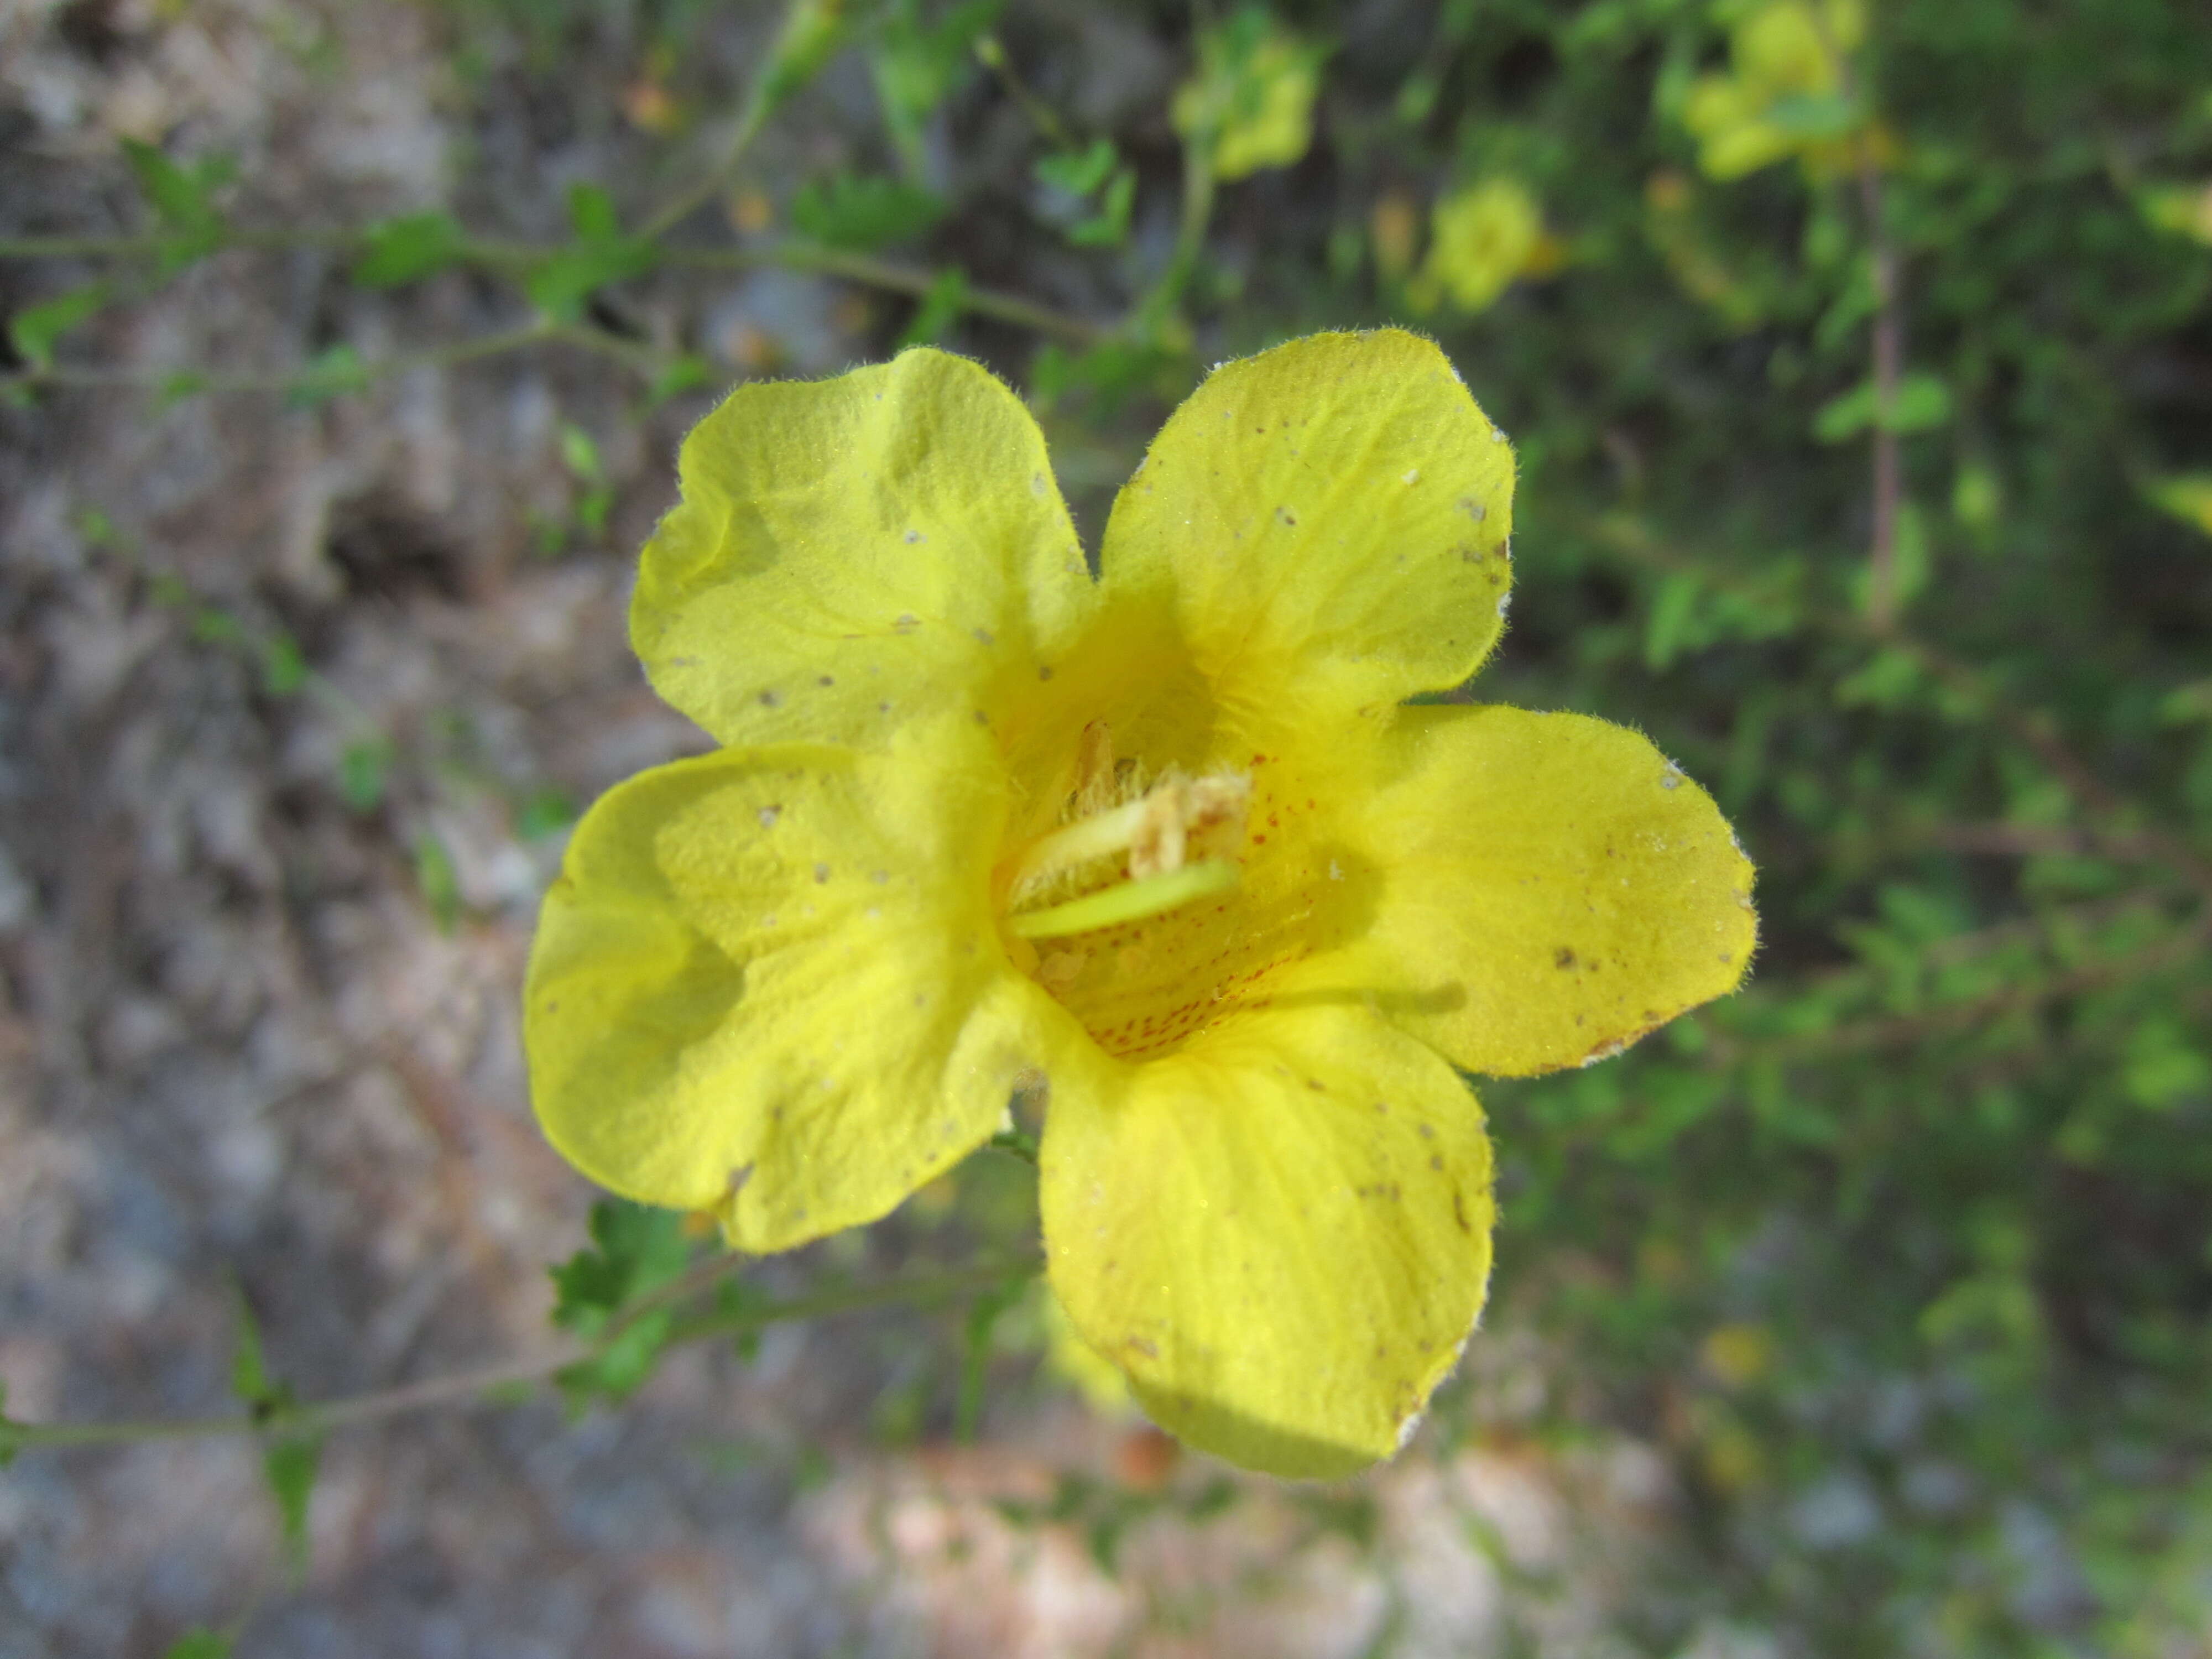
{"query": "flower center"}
{"type": "Point", "coordinates": [1157, 906]}
{"type": "Point", "coordinates": [1174, 844]}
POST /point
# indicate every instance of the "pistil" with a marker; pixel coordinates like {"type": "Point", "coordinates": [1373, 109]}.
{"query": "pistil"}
{"type": "Point", "coordinates": [1126, 901]}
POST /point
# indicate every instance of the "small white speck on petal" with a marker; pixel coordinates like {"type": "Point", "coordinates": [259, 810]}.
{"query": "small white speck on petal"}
{"type": "Point", "coordinates": [1412, 476]}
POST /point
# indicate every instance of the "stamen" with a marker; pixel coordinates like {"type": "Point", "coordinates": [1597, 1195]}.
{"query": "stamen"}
{"type": "Point", "coordinates": [1074, 845]}
{"type": "Point", "coordinates": [1161, 830]}
{"type": "Point", "coordinates": [1127, 900]}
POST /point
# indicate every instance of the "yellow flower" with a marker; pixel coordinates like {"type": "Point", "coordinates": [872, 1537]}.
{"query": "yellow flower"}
{"type": "Point", "coordinates": [1783, 95]}
{"type": "Point", "coordinates": [1167, 847]}
{"type": "Point", "coordinates": [1480, 239]}
{"type": "Point", "coordinates": [1251, 102]}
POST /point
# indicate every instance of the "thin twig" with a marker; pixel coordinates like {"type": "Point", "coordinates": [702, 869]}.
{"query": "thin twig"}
{"type": "Point", "coordinates": [1888, 341]}
{"type": "Point", "coordinates": [991, 53]}
{"type": "Point", "coordinates": [303, 378]}
{"type": "Point", "coordinates": [478, 1386]}
{"type": "Point", "coordinates": [809, 257]}
{"type": "Point", "coordinates": [896, 278]}
{"type": "Point", "coordinates": [762, 96]}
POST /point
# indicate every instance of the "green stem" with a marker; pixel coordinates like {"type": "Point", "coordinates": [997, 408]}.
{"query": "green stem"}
{"type": "Point", "coordinates": [918, 1290]}
{"type": "Point", "coordinates": [771, 85]}
{"type": "Point", "coordinates": [792, 256]}
{"type": "Point", "coordinates": [895, 278]}
{"type": "Point", "coordinates": [991, 53]}
{"type": "Point", "coordinates": [462, 351]}
{"type": "Point", "coordinates": [1198, 191]}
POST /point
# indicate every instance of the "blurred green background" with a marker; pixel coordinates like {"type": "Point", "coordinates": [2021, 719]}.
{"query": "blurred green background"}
{"type": "Point", "coordinates": [1859, 362]}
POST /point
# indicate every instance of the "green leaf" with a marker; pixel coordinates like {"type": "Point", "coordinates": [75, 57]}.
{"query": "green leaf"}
{"type": "Point", "coordinates": [179, 196]}
{"type": "Point", "coordinates": [560, 284]}
{"type": "Point", "coordinates": [290, 1466]}
{"type": "Point", "coordinates": [180, 199]}
{"type": "Point", "coordinates": [362, 768]}
{"type": "Point", "coordinates": [940, 308]}
{"type": "Point", "coordinates": [408, 249]}
{"type": "Point", "coordinates": [1922, 401]}
{"type": "Point", "coordinates": [812, 32]}
{"type": "Point", "coordinates": [335, 371]}
{"type": "Point", "coordinates": [592, 214]}
{"type": "Point", "coordinates": [283, 669]}
{"type": "Point", "coordinates": [199, 1642]}
{"type": "Point", "coordinates": [641, 1248]}
{"type": "Point", "coordinates": [10, 1431]}
{"type": "Point", "coordinates": [437, 880]}
{"type": "Point", "coordinates": [687, 373]}
{"type": "Point", "coordinates": [1109, 226]}
{"type": "Point", "coordinates": [1673, 613]}
{"type": "Point", "coordinates": [617, 1370]}
{"type": "Point", "coordinates": [579, 454]}
{"type": "Point", "coordinates": [1888, 681]}
{"type": "Point", "coordinates": [36, 329]}
{"type": "Point", "coordinates": [2161, 1068]}
{"type": "Point", "coordinates": [592, 508]}
{"type": "Point", "coordinates": [845, 211]}
{"type": "Point", "coordinates": [263, 1397]}
{"type": "Point", "coordinates": [919, 65]}
{"type": "Point", "coordinates": [210, 626]}
{"type": "Point", "coordinates": [546, 813]}
{"type": "Point", "coordinates": [249, 1375]}
{"type": "Point", "coordinates": [1814, 116]}
{"type": "Point", "coordinates": [1078, 171]}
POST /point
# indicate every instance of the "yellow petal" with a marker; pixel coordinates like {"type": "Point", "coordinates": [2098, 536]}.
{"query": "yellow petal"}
{"type": "Point", "coordinates": [766, 983]}
{"type": "Point", "coordinates": [1539, 890]}
{"type": "Point", "coordinates": [1325, 522]}
{"type": "Point", "coordinates": [1281, 1233]}
{"type": "Point", "coordinates": [1788, 48]}
{"type": "Point", "coordinates": [851, 554]}
{"type": "Point", "coordinates": [1734, 137]}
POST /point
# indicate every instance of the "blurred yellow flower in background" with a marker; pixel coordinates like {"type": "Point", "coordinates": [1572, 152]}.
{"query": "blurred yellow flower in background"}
{"type": "Point", "coordinates": [1168, 848]}
{"type": "Point", "coordinates": [1785, 92]}
{"type": "Point", "coordinates": [1251, 102]}
{"type": "Point", "coordinates": [1481, 240]}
